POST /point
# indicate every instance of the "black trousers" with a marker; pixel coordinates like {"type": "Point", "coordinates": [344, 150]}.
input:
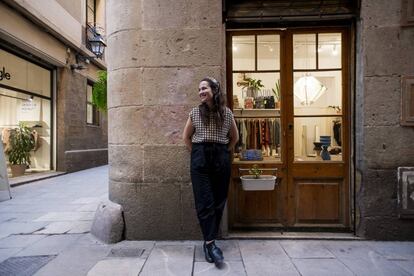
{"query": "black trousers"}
{"type": "Point", "coordinates": [210, 176]}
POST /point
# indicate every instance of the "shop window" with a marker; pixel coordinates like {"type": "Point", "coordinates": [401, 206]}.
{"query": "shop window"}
{"type": "Point", "coordinates": [92, 113]}
{"type": "Point", "coordinates": [25, 97]}
{"type": "Point", "coordinates": [317, 89]}
{"type": "Point", "coordinates": [256, 96]}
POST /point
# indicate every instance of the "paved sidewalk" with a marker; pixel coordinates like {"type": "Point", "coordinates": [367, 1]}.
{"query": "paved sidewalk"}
{"type": "Point", "coordinates": [44, 230]}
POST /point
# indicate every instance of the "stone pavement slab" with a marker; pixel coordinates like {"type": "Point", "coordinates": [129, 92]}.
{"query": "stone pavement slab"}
{"type": "Point", "coordinates": [394, 250]}
{"type": "Point", "coordinates": [117, 266]}
{"type": "Point", "coordinates": [10, 227]}
{"type": "Point", "coordinates": [87, 200]}
{"type": "Point", "coordinates": [169, 260]}
{"type": "Point", "coordinates": [59, 227]}
{"type": "Point", "coordinates": [21, 216]}
{"type": "Point", "coordinates": [306, 249]}
{"type": "Point", "coordinates": [322, 267]}
{"type": "Point", "coordinates": [230, 250]}
{"type": "Point", "coordinates": [362, 259]}
{"type": "Point", "coordinates": [66, 216]}
{"type": "Point", "coordinates": [230, 268]}
{"type": "Point", "coordinates": [408, 266]}
{"type": "Point", "coordinates": [19, 241]}
{"type": "Point", "coordinates": [51, 245]}
{"type": "Point", "coordinates": [6, 253]}
{"type": "Point", "coordinates": [266, 258]}
{"type": "Point", "coordinates": [147, 246]}
{"type": "Point", "coordinates": [81, 227]}
{"type": "Point", "coordinates": [74, 260]}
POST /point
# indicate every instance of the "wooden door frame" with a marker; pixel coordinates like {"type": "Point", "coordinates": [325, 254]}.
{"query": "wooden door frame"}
{"type": "Point", "coordinates": [295, 168]}
{"type": "Point", "coordinates": [286, 77]}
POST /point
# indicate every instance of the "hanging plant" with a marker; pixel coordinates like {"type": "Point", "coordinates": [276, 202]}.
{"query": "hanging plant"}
{"type": "Point", "coordinates": [99, 91]}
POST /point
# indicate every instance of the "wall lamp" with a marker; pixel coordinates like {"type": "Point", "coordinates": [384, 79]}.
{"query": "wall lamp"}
{"type": "Point", "coordinates": [96, 45]}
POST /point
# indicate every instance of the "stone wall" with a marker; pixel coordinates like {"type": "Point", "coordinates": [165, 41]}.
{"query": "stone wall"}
{"type": "Point", "coordinates": [384, 55]}
{"type": "Point", "coordinates": [167, 48]}
{"type": "Point", "coordinates": [79, 145]}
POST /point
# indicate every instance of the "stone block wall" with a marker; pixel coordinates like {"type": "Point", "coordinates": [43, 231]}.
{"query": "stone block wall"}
{"type": "Point", "coordinates": [79, 145]}
{"type": "Point", "coordinates": [384, 55]}
{"type": "Point", "coordinates": [157, 53]}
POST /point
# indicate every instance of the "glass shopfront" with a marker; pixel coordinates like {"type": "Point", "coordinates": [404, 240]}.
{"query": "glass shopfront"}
{"type": "Point", "coordinates": [25, 97]}
{"type": "Point", "coordinates": [290, 98]}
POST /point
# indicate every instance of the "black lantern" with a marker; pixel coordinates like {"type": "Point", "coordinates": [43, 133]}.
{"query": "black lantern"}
{"type": "Point", "coordinates": [97, 45]}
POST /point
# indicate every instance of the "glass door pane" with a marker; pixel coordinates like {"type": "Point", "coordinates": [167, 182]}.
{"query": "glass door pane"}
{"type": "Point", "coordinates": [329, 50]}
{"type": "Point", "coordinates": [268, 50]}
{"type": "Point", "coordinates": [317, 94]}
{"type": "Point", "coordinates": [243, 53]}
{"type": "Point", "coordinates": [257, 95]}
{"type": "Point", "coordinates": [304, 51]}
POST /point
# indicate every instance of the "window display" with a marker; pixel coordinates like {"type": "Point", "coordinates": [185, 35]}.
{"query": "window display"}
{"type": "Point", "coordinates": [256, 97]}
{"type": "Point", "coordinates": [25, 98]}
{"type": "Point", "coordinates": [317, 93]}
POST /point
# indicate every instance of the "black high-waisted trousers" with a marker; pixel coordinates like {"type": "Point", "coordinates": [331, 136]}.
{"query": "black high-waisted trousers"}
{"type": "Point", "coordinates": [210, 176]}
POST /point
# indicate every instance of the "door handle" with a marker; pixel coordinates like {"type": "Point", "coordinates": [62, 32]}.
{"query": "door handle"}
{"type": "Point", "coordinates": [290, 126]}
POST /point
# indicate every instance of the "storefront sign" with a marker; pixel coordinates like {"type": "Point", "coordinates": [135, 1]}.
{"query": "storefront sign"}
{"type": "Point", "coordinates": [22, 74]}
{"type": "Point", "coordinates": [4, 74]}
{"type": "Point", "coordinates": [4, 181]}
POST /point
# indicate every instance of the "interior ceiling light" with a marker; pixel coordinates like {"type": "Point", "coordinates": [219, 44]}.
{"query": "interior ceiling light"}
{"type": "Point", "coordinates": [235, 48]}
{"type": "Point", "coordinates": [319, 48]}
{"type": "Point", "coordinates": [334, 50]}
{"type": "Point", "coordinates": [308, 89]}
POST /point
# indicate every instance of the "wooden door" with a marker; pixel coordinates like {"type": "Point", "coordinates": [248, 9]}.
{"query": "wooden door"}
{"type": "Point", "coordinates": [317, 106]}
{"type": "Point", "coordinates": [314, 79]}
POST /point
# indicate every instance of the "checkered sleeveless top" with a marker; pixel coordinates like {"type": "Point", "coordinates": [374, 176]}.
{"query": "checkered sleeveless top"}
{"type": "Point", "coordinates": [210, 133]}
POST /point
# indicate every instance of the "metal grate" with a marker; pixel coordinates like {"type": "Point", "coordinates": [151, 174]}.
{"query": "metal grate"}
{"type": "Point", "coordinates": [126, 252]}
{"type": "Point", "coordinates": [24, 266]}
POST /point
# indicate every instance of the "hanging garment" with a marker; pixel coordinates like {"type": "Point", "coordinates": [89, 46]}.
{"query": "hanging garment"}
{"type": "Point", "coordinates": [337, 132]}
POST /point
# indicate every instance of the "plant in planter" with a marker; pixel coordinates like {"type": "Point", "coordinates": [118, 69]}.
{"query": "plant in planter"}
{"type": "Point", "coordinates": [276, 92]}
{"type": "Point", "coordinates": [255, 171]}
{"type": "Point", "coordinates": [256, 181]}
{"type": "Point", "coordinates": [21, 143]}
{"type": "Point", "coordinates": [253, 86]}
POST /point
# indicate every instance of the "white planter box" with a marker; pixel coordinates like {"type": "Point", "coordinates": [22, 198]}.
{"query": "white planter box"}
{"type": "Point", "coordinates": [263, 183]}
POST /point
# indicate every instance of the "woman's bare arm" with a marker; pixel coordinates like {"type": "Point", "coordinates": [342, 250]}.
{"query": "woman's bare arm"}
{"type": "Point", "coordinates": [234, 135]}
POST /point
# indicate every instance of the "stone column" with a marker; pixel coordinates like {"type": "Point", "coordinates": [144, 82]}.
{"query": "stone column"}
{"type": "Point", "coordinates": [384, 54]}
{"type": "Point", "coordinates": [158, 51]}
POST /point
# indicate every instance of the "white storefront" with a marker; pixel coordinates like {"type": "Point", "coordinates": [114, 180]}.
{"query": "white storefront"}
{"type": "Point", "coordinates": [26, 97]}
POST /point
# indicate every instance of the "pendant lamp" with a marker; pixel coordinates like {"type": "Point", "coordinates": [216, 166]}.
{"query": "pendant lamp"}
{"type": "Point", "coordinates": [308, 89]}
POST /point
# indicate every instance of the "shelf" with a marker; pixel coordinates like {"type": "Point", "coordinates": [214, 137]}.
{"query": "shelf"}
{"type": "Point", "coordinates": [253, 113]}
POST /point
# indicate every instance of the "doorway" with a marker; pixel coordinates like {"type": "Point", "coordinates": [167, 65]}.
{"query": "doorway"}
{"type": "Point", "coordinates": [290, 93]}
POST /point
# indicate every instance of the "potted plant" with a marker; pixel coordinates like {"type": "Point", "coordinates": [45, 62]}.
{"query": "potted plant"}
{"type": "Point", "coordinates": [276, 92]}
{"type": "Point", "coordinates": [255, 181]}
{"type": "Point", "coordinates": [21, 143]}
{"type": "Point", "coordinates": [253, 86]}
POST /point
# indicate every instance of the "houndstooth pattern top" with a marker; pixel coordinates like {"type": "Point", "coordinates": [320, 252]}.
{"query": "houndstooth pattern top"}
{"type": "Point", "coordinates": [212, 132]}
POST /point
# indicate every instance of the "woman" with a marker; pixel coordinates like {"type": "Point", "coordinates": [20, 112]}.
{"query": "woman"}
{"type": "Point", "coordinates": [210, 134]}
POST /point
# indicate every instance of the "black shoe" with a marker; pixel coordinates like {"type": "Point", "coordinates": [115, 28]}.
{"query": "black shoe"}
{"type": "Point", "coordinates": [207, 254]}
{"type": "Point", "coordinates": [215, 253]}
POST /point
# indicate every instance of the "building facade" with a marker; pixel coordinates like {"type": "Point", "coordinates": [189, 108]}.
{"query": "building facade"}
{"type": "Point", "coordinates": [50, 67]}
{"type": "Point", "coordinates": [331, 116]}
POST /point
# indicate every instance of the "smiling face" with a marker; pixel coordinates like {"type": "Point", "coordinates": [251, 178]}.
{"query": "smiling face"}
{"type": "Point", "coordinates": [205, 93]}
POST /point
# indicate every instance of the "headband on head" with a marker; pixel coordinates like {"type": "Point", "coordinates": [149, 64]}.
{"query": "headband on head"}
{"type": "Point", "coordinates": [214, 81]}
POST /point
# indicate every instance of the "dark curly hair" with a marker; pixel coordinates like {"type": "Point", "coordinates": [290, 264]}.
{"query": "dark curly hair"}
{"type": "Point", "coordinates": [219, 103]}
